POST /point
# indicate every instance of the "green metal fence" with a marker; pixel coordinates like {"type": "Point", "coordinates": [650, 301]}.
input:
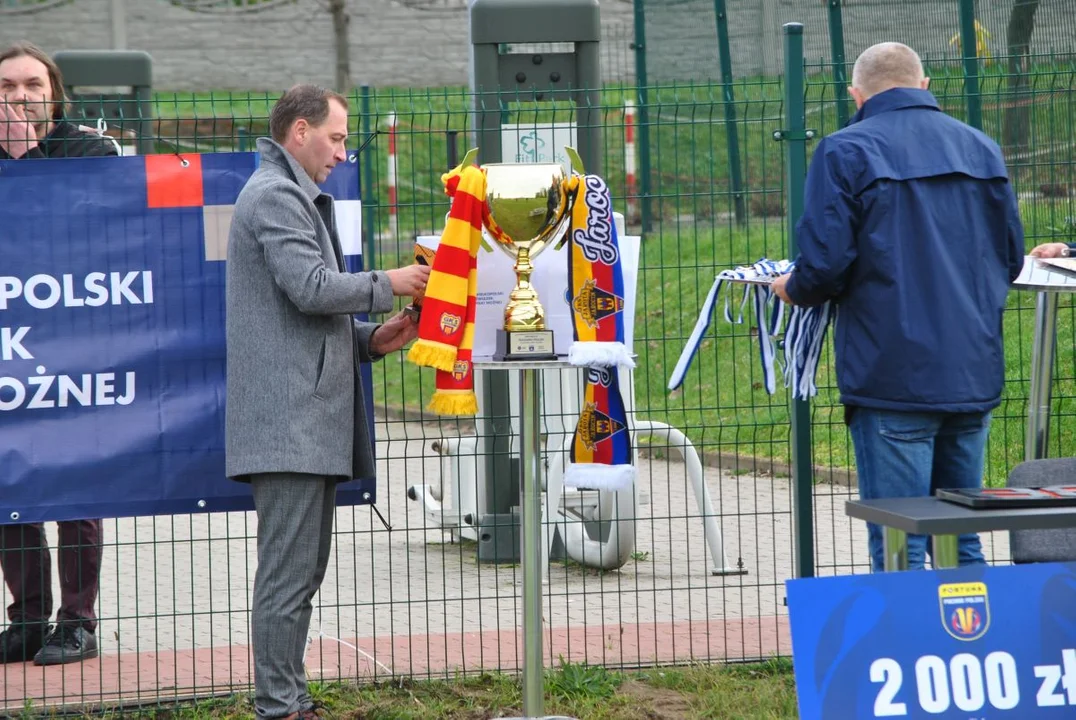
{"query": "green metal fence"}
{"type": "Point", "coordinates": [416, 600]}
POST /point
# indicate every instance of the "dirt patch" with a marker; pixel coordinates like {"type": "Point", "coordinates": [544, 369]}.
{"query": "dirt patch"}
{"type": "Point", "coordinates": [657, 703]}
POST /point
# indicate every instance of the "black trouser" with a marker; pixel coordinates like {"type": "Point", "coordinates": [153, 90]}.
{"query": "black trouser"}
{"type": "Point", "coordinates": [27, 566]}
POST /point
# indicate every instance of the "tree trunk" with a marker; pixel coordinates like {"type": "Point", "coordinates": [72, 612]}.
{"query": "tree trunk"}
{"type": "Point", "coordinates": [1016, 129]}
{"type": "Point", "coordinates": [338, 8]}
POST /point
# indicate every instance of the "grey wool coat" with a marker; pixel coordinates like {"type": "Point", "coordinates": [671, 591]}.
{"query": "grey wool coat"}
{"type": "Point", "coordinates": [294, 401]}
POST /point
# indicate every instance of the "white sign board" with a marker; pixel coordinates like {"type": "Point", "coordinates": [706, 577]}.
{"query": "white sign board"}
{"type": "Point", "coordinates": [550, 279]}
{"type": "Point", "coordinates": [537, 143]}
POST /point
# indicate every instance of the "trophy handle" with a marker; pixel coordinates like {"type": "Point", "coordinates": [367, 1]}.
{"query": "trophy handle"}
{"type": "Point", "coordinates": [571, 191]}
{"type": "Point", "coordinates": [580, 169]}
{"type": "Point", "coordinates": [469, 158]}
{"type": "Point", "coordinates": [467, 161]}
{"type": "Point", "coordinates": [576, 161]}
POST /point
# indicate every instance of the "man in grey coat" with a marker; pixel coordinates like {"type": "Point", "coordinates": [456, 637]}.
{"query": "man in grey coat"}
{"type": "Point", "coordinates": [295, 418]}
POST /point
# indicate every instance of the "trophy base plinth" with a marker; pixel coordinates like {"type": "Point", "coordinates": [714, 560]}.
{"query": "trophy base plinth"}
{"type": "Point", "coordinates": [528, 345]}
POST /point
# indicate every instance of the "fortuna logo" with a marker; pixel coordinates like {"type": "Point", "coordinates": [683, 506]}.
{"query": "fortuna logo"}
{"type": "Point", "coordinates": [596, 240]}
{"type": "Point", "coordinates": [595, 426]}
{"type": "Point", "coordinates": [594, 304]}
{"type": "Point", "coordinates": [965, 609]}
{"type": "Point", "coordinates": [450, 323]}
{"type": "Point", "coordinates": [460, 370]}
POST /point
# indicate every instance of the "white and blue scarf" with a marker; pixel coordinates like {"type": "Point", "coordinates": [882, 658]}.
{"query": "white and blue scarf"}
{"type": "Point", "coordinates": [804, 334]}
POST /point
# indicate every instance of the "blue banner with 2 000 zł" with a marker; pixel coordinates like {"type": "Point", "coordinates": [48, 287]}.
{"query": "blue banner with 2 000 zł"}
{"type": "Point", "coordinates": [975, 642]}
{"type": "Point", "coordinates": [112, 357]}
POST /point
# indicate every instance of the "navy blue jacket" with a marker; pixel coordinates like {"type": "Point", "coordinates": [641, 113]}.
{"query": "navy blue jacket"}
{"type": "Point", "coordinates": [911, 227]}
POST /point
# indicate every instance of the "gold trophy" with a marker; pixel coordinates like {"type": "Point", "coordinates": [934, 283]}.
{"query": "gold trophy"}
{"type": "Point", "coordinates": [529, 207]}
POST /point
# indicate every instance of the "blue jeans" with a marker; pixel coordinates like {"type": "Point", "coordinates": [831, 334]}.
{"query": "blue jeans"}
{"type": "Point", "coordinates": [911, 454]}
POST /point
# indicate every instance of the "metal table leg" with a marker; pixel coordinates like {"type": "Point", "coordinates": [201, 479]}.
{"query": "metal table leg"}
{"type": "Point", "coordinates": [895, 544]}
{"type": "Point", "coordinates": [946, 551]}
{"type": "Point", "coordinates": [1042, 366]}
{"type": "Point", "coordinates": [531, 534]}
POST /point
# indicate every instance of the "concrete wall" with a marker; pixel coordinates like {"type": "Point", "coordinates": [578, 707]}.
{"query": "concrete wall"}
{"type": "Point", "coordinates": [681, 35]}
{"type": "Point", "coordinates": [423, 43]}
{"type": "Point", "coordinates": [410, 43]}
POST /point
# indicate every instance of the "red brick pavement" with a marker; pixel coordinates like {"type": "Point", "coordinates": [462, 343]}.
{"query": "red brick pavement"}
{"type": "Point", "coordinates": [166, 675]}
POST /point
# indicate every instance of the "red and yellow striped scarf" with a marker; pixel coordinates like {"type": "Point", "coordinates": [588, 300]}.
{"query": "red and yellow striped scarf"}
{"type": "Point", "coordinates": [446, 326]}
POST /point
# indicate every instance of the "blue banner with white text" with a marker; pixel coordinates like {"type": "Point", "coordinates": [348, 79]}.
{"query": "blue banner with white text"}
{"type": "Point", "coordinates": [112, 349]}
{"type": "Point", "coordinates": [973, 642]}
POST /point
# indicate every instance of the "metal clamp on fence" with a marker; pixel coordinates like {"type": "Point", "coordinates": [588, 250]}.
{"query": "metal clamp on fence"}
{"type": "Point", "coordinates": [804, 135]}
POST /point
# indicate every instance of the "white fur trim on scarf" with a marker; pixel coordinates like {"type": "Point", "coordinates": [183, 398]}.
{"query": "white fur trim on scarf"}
{"type": "Point", "coordinates": [594, 476]}
{"type": "Point", "coordinates": [600, 354]}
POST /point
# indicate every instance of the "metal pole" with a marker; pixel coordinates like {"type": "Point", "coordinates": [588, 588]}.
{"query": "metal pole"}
{"type": "Point", "coordinates": [895, 544]}
{"type": "Point", "coordinates": [366, 190]}
{"type": "Point", "coordinates": [796, 137]}
{"type": "Point", "coordinates": [117, 13]}
{"type": "Point", "coordinates": [495, 425]}
{"type": "Point", "coordinates": [588, 106]}
{"type": "Point", "coordinates": [1042, 366]}
{"type": "Point", "coordinates": [970, 51]}
{"type": "Point", "coordinates": [732, 136]}
{"type": "Point", "coordinates": [946, 551]}
{"type": "Point", "coordinates": [840, 75]}
{"type": "Point", "coordinates": [531, 535]}
{"type": "Point", "coordinates": [644, 116]}
{"type": "Point", "coordinates": [453, 150]}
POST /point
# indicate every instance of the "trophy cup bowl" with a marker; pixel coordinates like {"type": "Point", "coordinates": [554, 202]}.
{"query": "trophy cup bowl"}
{"type": "Point", "coordinates": [529, 205]}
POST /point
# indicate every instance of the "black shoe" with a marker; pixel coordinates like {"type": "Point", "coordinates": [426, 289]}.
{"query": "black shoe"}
{"type": "Point", "coordinates": [20, 642]}
{"type": "Point", "coordinates": [67, 644]}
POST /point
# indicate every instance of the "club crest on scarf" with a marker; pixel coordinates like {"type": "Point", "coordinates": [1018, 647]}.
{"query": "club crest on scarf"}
{"type": "Point", "coordinates": [594, 304]}
{"type": "Point", "coordinates": [594, 425]}
{"type": "Point", "coordinates": [450, 323]}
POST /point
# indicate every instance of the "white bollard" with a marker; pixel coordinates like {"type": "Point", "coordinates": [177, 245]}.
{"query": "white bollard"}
{"type": "Point", "coordinates": [391, 175]}
{"type": "Point", "coordinates": [632, 205]}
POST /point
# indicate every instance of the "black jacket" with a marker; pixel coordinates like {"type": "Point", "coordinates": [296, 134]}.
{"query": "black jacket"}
{"type": "Point", "coordinates": [66, 140]}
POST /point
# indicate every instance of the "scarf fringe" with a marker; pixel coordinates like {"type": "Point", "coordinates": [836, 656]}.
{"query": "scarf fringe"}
{"type": "Point", "coordinates": [428, 353]}
{"type": "Point", "coordinates": [599, 477]}
{"type": "Point", "coordinates": [453, 402]}
{"type": "Point", "coordinates": [603, 354]}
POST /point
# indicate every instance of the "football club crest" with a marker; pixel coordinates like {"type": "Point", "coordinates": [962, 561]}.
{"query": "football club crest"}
{"type": "Point", "coordinates": [593, 304]}
{"type": "Point", "coordinates": [459, 370]}
{"type": "Point", "coordinates": [965, 609]}
{"type": "Point", "coordinates": [450, 323]}
{"type": "Point", "coordinates": [595, 426]}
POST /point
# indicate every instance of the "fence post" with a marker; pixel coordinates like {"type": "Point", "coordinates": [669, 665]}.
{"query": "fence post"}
{"type": "Point", "coordinates": [732, 133]}
{"type": "Point", "coordinates": [453, 149]}
{"type": "Point", "coordinates": [639, 46]}
{"type": "Point", "coordinates": [840, 75]}
{"type": "Point", "coordinates": [795, 137]}
{"type": "Point", "coordinates": [969, 49]}
{"type": "Point", "coordinates": [369, 197]}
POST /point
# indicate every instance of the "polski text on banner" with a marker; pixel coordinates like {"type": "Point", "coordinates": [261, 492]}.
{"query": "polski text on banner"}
{"type": "Point", "coordinates": [112, 353]}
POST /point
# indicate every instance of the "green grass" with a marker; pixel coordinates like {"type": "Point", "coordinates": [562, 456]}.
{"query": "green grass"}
{"type": "Point", "coordinates": [756, 691]}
